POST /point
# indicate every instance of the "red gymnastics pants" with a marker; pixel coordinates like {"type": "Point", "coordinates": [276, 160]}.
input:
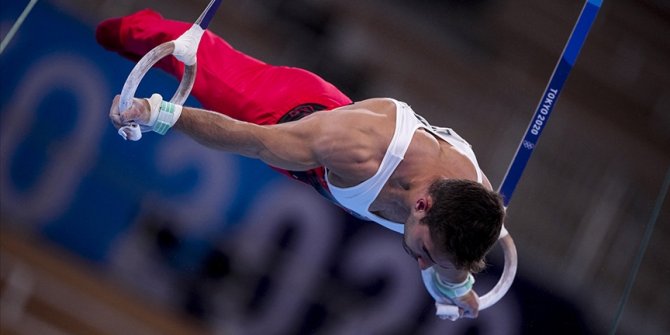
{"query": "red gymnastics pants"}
{"type": "Point", "coordinates": [227, 81]}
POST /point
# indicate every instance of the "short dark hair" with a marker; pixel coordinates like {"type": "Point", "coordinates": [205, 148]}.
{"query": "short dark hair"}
{"type": "Point", "coordinates": [464, 221]}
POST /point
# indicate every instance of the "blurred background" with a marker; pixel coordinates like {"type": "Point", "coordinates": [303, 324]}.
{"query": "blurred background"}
{"type": "Point", "coordinates": [163, 236]}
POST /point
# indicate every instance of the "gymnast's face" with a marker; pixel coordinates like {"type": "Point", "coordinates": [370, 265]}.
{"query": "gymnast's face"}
{"type": "Point", "coordinates": [418, 250]}
{"type": "Point", "coordinates": [418, 243]}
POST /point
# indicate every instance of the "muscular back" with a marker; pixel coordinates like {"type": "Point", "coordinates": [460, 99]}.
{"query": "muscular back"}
{"type": "Point", "coordinates": [351, 142]}
{"type": "Point", "coordinates": [354, 139]}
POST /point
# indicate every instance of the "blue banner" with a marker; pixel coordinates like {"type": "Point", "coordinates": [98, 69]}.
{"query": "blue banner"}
{"type": "Point", "coordinates": [68, 174]}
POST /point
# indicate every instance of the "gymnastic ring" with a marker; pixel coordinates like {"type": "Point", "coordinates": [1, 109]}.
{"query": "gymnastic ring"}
{"type": "Point", "coordinates": [498, 291]}
{"type": "Point", "coordinates": [144, 65]}
{"type": "Point", "coordinates": [507, 276]}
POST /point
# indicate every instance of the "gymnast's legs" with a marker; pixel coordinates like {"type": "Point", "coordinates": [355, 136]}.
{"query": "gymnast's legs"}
{"type": "Point", "coordinates": [227, 81]}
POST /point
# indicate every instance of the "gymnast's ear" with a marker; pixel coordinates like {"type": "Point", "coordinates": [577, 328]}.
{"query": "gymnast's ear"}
{"type": "Point", "coordinates": [422, 205]}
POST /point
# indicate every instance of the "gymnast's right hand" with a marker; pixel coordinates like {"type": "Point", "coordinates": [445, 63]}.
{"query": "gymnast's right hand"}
{"type": "Point", "coordinates": [140, 113]}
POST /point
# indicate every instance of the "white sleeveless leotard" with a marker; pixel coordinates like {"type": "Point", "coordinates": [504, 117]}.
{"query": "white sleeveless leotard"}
{"type": "Point", "coordinates": [358, 198]}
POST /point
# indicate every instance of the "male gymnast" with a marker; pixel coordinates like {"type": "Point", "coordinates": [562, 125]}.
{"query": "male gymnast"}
{"type": "Point", "coordinates": [376, 158]}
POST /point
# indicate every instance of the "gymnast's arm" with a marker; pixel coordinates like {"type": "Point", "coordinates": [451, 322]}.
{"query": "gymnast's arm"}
{"type": "Point", "coordinates": [320, 139]}
{"type": "Point", "coordinates": [288, 146]}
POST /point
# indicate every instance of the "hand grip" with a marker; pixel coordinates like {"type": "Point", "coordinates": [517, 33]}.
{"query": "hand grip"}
{"type": "Point", "coordinates": [187, 50]}
{"type": "Point", "coordinates": [144, 65]}
{"type": "Point", "coordinates": [140, 70]}
{"type": "Point", "coordinates": [448, 311]}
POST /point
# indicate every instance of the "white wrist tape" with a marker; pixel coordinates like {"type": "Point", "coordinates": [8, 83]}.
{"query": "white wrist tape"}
{"type": "Point", "coordinates": [452, 290]}
{"type": "Point", "coordinates": [167, 116]}
{"type": "Point", "coordinates": [186, 46]}
{"type": "Point", "coordinates": [443, 291]}
{"type": "Point", "coordinates": [164, 114]}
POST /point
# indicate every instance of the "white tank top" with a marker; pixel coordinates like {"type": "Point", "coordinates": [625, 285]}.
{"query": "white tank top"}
{"type": "Point", "coordinates": [358, 198]}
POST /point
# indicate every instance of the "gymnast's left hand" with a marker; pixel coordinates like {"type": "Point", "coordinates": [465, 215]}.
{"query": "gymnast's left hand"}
{"type": "Point", "coordinates": [468, 305]}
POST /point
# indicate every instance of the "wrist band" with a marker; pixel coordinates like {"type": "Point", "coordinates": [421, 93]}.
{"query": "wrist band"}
{"type": "Point", "coordinates": [168, 114]}
{"type": "Point", "coordinates": [452, 290]}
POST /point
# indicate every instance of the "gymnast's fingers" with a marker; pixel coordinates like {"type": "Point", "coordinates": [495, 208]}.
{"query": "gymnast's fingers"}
{"type": "Point", "coordinates": [139, 111]}
{"type": "Point", "coordinates": [115, 114]}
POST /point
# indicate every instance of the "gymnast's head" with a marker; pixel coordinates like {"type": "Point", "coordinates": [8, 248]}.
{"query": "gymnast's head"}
{"type": "Point", "coordinates": [454, 225]}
